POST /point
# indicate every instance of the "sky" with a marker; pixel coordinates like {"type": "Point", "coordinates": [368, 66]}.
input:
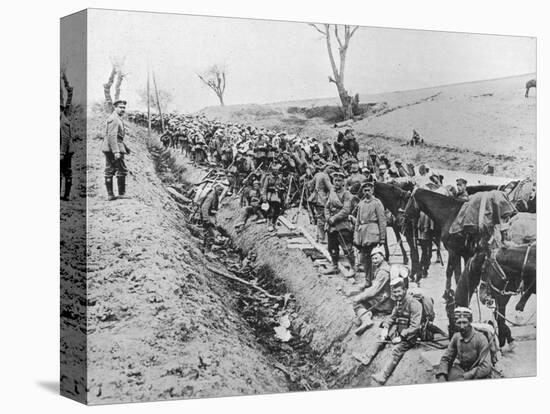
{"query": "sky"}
{"type": "Point", "coordinates": [271, 61]}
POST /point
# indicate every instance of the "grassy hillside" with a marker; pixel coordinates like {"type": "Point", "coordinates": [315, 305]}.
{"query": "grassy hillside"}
{"type": "Point", "coordinates": [464, 125]}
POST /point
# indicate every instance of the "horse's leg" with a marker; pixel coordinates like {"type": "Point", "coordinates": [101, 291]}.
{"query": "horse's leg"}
{"type": "Point", "coordinates": [530, 282]}
{"type": "Point", "coordinates": [526, 92]}
{"type": "Point", "coordinates": [504, 332]}
{"type": "Point", "coordinates": [400, 243]}
{"type": "Point", "coordinates": [387, 249]}
{"type": "Point", "coordinates": [451, 266]}
{"type": "Point", "coordinates": [414, 255]}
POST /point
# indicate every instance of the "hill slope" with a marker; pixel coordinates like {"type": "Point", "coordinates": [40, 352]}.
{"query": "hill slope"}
{"type": "Point", "coordinates": [464, 125]}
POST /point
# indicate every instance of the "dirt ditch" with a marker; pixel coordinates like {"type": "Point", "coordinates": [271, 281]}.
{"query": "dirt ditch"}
{"type": "Point", "coordinates": [319, 316]}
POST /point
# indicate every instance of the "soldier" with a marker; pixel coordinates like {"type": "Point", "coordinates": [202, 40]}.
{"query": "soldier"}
{"type": "Point", "coordinates": [356, 177]}
{"type": "Point", "coordinates": [375, 297]}
{"type": "Point", "coordinates": [209, 208]}
{"type": "Point", "coordinates": [401, 328]}
{"type": "Point", "coordinates": [115, 151]}
{"type": "Point", "coordinates": [425, 235]}
{"type": "Point", "coordinates": [321, 187]}
{"type": "Point", "coordinates": [65, 152]}
{"type": "Point", "coordinates": [370, 227]}
{"type": "Point", "coordinates": [273, 194]}
{"type": "Point", "coordinates": [338, 226]}
{"type": "Point", "coordinates": [461, 191]}
{"type": "Point", "coordinates": [470, 347]}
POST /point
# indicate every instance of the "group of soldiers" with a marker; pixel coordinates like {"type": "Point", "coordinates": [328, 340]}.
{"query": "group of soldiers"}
{"type": "Point", "coordinates": [271, 170]}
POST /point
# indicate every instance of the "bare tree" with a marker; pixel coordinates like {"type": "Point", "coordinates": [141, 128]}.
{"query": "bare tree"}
{"type": "Point", "coordinates": [338, 71]}
{"type": "Point", "coordinates": [117, 69]}
{"type": "Point", "coordinates": [65, 85]}
{"type": "Point", "coordinates": [214, 78]}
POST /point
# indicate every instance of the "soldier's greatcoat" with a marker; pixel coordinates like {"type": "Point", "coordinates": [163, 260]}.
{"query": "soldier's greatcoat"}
{"type": "Point", "coordinates": [114, 135]}
{"type": "Point", "coordinates": [370, 222]}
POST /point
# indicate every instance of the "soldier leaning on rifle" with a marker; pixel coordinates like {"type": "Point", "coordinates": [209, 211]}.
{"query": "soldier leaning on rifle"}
{"type": "Point", "coordinates": [115, 150]}
{"type": "Point", "coordinates": [338, 226]}
{"type": "Point", "coordinates": [402, 327]}
{"type": "Point", "coordinates": [65, 153]}
{"type": "Point", "coordinates": [470, 347]}
{"type": "Point", "coordinates": [209, 208]}
{"type": "Point", "coordinates": [370, 227]}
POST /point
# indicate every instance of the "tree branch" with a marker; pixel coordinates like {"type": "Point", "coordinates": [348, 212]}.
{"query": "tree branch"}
{"type": "Point", "coordinates": [316, 28]}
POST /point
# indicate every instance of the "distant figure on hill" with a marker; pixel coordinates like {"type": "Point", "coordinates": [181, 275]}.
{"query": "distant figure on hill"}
{"type": "Point", "coordinates": [530, 84]}
{"type": "Point", "coordinates": [416, 139]}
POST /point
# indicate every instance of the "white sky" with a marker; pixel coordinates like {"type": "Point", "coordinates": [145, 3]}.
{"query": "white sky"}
{"type": "Point", "coordinates": [269, 61]}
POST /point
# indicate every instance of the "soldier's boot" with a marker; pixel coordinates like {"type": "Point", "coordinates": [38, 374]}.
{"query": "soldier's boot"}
{"type": "Point", "coordinates": [332, 270]}
{"type": "Point", "coordinates": [109, 186]}
{"type": "Point", "coordinates": [68, 185]}
{"type": "Point", "coordinates": [121, 184]}
{"type": "Point", "coordinates": [351, 259]}
{"type": "Point", "coordinates": [366, 322]}
{"type": "Point", "coordinates": [382, 376]}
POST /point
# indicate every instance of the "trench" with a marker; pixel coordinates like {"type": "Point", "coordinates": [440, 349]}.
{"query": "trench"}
{"type": "Point", "coordinates": [320, 351]}
{"type": "Point", "coordinates": [302, 366]}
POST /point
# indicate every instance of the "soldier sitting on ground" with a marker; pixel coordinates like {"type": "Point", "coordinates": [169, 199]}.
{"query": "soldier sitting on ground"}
{"type": "Point", "coordinates": [401, 328]}
{"type": "Point", "coordinates": [469, 347]}
{"type": "Point", "coordinates": [377, 296]}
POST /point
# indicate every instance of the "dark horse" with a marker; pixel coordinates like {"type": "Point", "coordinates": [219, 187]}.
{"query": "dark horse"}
{"type": "Point", "coordinates": [501, 273]}
{"type": "Point", "coordinates": [443, 211]}
{"type": "Point", "coordinates": [532, 83]}
{"type": "Point", "coordinates": [395, 199]}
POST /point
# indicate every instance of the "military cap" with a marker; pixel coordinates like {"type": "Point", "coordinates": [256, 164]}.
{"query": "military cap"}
{"type": "Point", "coordinates": [397, 282]}
{"type": "Point", "coordinates": [120, 101]}
{"type": "Point", "coordinates": [461, 181]}
{"type": "Point", "coordinates": [463, 312]}
{"type": "Point", "coordinates": [398, 161]}
{"type": "Point", "coordinates": [367, 184]}
{"type": "Point", "coordinates": [337, 174]}
{"type": "Point", "coordinates": [377, 250]}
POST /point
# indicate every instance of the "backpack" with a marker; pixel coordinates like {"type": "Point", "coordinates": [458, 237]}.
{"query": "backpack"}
{"type": "Point", "coordinates": [489, 331]}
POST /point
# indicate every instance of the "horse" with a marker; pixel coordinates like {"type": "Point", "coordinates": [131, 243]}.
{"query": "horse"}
{"type": "Point", "coordinates": [443, 211]}
{"type": "Point", "coordinates": [500, 273]}
{"type": "Point", "coordinates": [532, 83]}
{"type": "Point", "coordinates": [395, 199]}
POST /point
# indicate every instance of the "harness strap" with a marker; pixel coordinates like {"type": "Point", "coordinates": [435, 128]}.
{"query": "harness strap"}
{"type": "Point", "coordinates": [525, 259]}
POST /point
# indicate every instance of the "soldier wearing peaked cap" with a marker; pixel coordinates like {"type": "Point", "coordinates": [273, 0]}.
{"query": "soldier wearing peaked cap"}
{"type": "Point", "coordinates": [370, 227]}
{"type": "Point", "coordinates": [115, 150]}
{"type": "Point", "coordinates": [338, 226]}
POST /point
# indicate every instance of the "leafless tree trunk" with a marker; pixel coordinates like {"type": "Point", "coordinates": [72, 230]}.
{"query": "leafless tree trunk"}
{"type": "Point", "coordinates": [69, 89]}
{"type": "Point", "coordinates": [119, 79]}
{"type": "Point", "coordinates": [338, 72]}
{"type": "Point", "coordinates": [107, 90]}
{"type": "Point", "coordinates": [214, 78]}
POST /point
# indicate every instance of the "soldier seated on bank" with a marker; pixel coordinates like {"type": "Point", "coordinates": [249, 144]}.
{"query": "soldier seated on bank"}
{"type": "Point", "coordinates": [470, 348]}
{"type": "Point", "coordinates": [377, 296]}
{"type": "Point", "coordinates": [401, 328]}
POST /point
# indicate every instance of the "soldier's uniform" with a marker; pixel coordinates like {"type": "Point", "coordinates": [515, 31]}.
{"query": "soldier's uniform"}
{"type": "Point", "coordinates": [405, 321]}
{"type": "Point", "coordinates": [425, 233]}
{"type": "Point", "coordinates": [272, 193]}
{"type": "Point", "coordinates": [66, 154]}
{"type": "Point", "coordinates": [208, 209]}
{"type": "Point", "coordinates": [113, 143]}
{"type": "Point", "coordinates": [370, 230]}
{"type": "Point", "coordinates": [321, 189]}
{"type": "Point", "coordinates": [339, 230]}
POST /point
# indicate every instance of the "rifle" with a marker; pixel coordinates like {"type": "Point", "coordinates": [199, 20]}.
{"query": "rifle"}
{"type": "Point", "coordinates": [248, 176]}
{"type": "Point", "coordinates": [295, 218]}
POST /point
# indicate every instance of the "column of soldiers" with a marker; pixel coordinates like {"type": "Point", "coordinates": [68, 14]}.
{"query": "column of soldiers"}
{"type": "Point", "coordinates": [272, 171]}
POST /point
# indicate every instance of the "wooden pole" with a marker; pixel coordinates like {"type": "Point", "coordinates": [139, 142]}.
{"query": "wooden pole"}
{"type": "Point", "coordinates": [148, 105]}
{"type": "Point", "coordinates": [158, 103]}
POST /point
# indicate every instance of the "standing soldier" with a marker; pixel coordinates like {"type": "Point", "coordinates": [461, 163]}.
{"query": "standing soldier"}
{"type": "Point", "coordinates": [356, 177]}
{"type": "Point", "coordinates": [338, 225]}
{"type": "Point", "coordinates": [461, 191]}
{"type": "Point", "coordinates": [370, 227]}
{"type": "Point", "coordinates": [65, 153]}
{"type": "Point", "coordinates": [115, 149]}
{"type": "Point", "coordinates": [321, 189]}
{"type": "Point", "coordinates": [402, 327]}
{"type": "Point", "coordinates": [209, 208]}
